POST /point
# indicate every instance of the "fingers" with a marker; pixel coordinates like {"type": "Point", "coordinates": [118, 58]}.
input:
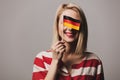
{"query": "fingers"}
{"type": "Point", "coordinates": [59, 43]}
{"type": "Point", "coordinates": [58, 49]}
{"type": "Point", "coordinates": [58, 46]}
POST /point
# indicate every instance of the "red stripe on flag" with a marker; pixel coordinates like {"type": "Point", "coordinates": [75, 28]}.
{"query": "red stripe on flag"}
{"type": "Point", "coordinates": [71, 22]}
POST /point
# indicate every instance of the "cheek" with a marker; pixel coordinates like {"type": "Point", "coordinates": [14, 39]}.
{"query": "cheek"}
{"type": "Point", "coordinates": [60, 28]}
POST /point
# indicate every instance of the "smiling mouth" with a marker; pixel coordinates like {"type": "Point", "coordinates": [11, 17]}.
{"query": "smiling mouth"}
{"type": "Point", "coordinates": [69, 34]}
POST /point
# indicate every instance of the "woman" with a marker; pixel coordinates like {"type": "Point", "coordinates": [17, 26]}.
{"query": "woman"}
{"type": "Point", "coordinates": [68, 59]}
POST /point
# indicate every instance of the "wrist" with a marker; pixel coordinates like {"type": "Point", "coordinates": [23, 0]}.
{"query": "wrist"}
{"type": "Point", "coordinates": [55, 61]}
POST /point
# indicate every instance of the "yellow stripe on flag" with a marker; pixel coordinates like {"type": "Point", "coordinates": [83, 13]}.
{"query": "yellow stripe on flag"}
{"type": "Point", "coordinates": [71, 26]}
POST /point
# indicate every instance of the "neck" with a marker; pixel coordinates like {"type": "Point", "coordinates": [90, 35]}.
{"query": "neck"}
{"type": "Point", "coordinates": [70, 47]}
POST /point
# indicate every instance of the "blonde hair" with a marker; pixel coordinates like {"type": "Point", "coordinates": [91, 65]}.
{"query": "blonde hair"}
{"type": "Point", "coordinates": [83, 32]}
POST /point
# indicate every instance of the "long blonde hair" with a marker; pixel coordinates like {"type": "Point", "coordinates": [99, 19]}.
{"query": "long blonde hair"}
{"type": "Point", "coordinates": [83, 32]}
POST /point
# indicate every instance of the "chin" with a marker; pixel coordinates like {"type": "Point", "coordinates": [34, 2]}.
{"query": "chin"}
{"type": "Point", "coordinates": [69, 40]}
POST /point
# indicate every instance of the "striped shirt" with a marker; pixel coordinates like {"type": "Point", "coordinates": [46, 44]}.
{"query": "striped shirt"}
{"type": "Point", "coordinates": [89, 69]}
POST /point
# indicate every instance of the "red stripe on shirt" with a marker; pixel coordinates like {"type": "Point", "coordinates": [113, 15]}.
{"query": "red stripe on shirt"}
{"type": "Point", "coordinates": [100, 76]}
{"type": "Point", "coordinates": [84, 77]}
{"type": "Point", "coordinates": [79, 77]}
{"type": "Point", "coordinates": [39, 62]}
{"type": "Point", "coordinates": [47, 60]}
{"type": "Point", "coordinates": [39, 75]}
{"type": "Point", "coordinates": [86, 63]}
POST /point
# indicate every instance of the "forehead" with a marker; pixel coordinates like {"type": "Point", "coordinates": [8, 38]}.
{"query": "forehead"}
{"type": "Point", "coordinates": [70, 13]}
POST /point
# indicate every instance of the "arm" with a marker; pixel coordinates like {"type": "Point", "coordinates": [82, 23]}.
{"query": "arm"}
{"type": "Point", "coordinates": [39, 70]}
{"type": "Point", "coordinates": [51, 75]}
{"type": "Point", "coordinates": [100, 72]}
{"type": "Point", "coordinates": [58, 50]}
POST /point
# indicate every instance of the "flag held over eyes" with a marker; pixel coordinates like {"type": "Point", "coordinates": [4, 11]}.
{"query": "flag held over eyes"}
{"type": "Point", "coordinates": [71, 23]}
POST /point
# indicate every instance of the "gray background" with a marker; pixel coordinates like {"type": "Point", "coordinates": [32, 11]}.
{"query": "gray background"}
{"type": "Point", "coordinates": [26, 29]}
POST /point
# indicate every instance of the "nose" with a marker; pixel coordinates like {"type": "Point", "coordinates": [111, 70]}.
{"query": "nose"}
{"type": "Point", "coordinates": [70, 29]}
{"type": "Point", "coordinates": [66, 28]}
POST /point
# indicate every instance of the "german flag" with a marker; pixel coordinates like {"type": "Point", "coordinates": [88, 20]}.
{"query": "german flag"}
{"type": "Point", "coordinates": [71, 23]}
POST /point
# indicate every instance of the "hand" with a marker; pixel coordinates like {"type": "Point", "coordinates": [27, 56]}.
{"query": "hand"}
{"type": "Point", "coordinates": [58, 49]}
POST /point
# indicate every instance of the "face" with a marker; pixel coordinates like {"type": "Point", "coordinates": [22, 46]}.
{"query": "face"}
{"type": "Point", "coordinates": [68, 34]}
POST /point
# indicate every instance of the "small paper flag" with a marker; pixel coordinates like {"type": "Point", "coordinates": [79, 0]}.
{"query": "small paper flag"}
{"type": "Point", "coordinates": [71, 23]}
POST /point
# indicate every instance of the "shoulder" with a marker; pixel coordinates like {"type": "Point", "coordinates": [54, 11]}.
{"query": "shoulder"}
{"type": "Point", "coordinates": [42, 61]}
{"type": "Point", "coordinates": [93, 57]}
{"type": "Point", "coordinates": [47, 53]}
